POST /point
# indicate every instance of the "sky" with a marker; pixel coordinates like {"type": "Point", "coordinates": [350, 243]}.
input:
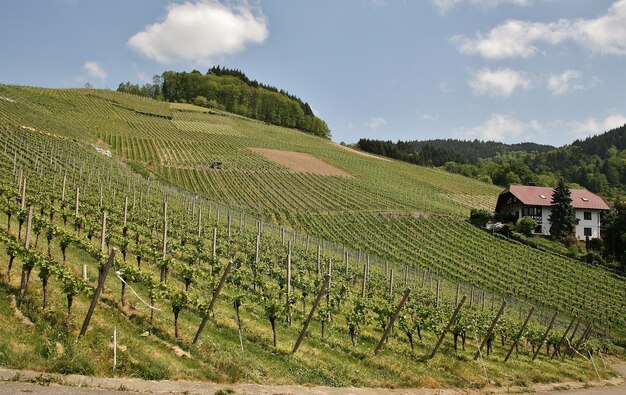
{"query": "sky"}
{"type": "Point", "coordinates": [547, 71]}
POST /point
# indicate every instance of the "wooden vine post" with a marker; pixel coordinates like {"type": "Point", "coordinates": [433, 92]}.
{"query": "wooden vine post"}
{"type": "Point", "coordinates": [438, 289]}
{"type": "Point", "coordinates": [490, 331]}
{"type": "Point", "coordinates": [200, 221]}
{"type": "Point", "coordinates": [288, 299]}
{"type": "Point", "coordinates": [364, 286]}
{"type": "Point", "coordinates": [447, 328]}
{"type": "Point", "coordinates": [557, 347]}
{"type": "Point", "coordinates": [213, 300]}
{"type": "Point", "coordinates": [125, 210]}
{"type": "Point", "coordinates": [545, 335]}
{"type": "Point", "coordinates": [23, 202]}
{"type": "Point", "coordinates": [214, 243]}
{"type": "Point", "coordinates": [96, 294]}
{"type": "Point", "coordinates": [76, 202]}
{"type": "Point", "coordinates": [316, 303]}
{"type": "Point", "coordinates": [519, 335]}
{"type": "Point", "coordinates": [164, 251]}
{"type": "Point", "coordinates": [103, 232]}
{"type": "Point", "coordinates": [319, 260]}
{"type": "Point", "coordinates": [393, 319]}
{"type": "Point", "coordinates": [29, 222]}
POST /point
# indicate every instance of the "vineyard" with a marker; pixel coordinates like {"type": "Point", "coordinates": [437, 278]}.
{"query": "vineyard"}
{"type": "Point", "coordinates": [245, 249]}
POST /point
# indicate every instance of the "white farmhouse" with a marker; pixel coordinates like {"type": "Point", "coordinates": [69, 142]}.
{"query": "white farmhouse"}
{"type": "Point", "coordinates": [535, 202]}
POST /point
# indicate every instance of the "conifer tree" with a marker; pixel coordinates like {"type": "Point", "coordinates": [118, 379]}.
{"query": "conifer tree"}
{"type": "Point", "coordinates": [562, 217]}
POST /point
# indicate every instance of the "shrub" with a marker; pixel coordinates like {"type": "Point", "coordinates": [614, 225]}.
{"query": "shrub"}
{"type": "Point", "coordinates": [480, 217]}
{"type": "Point", "coordinates": [526, 226]}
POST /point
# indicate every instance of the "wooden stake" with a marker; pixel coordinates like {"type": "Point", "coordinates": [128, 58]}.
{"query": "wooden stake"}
{"type": "Point", "coordinates": [23, 203]}
{"type": "Point", "coordinates": [200, 221]}
{"type": "Point", "coordinates": [545, 335]}
{"type": "Point", "coordinates": [214, 243]}
{"type": "Point", "coordinates": [447, 328]}
{"type": "Point", "coordinates": [29, 222]}
{"type": "Point", "coordinates": [519, 335]}
{"type": "Point", "coordinates": [393, 319]}
{"type": "Point", "coordinates": [438, 288]}
{"type": "Point", "coordinates": [316, 303]}
{"type": "Point", "coordinates": [363, 288]}
{"type": "Point", "coordinates": [103, 232]}
{"type": "Point", "coordinates": [560, 343]}
{"type": "Point", "coordinates": [490, 330]}
{"type": "Point", "coordinates": [319, 260]}
{"type": "Point", "coordinates": [164, 228]}
{"type": "Point", "coordinates": [96, 294]}
{"type": "Point", "coordinates": [125, 210]}
{"type": "Point", "coordinates": [213, 300]}
{"type": "Point", "coordinates": [76, 202]}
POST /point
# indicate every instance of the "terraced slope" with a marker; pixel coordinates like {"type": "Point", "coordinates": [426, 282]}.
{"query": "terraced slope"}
{"type": "Point", "coordinates": [403, 213]}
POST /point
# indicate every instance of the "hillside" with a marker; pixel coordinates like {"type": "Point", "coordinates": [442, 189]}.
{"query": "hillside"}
{"type": "Point", "coordinates": [596, 163]}
{"type": "Point", "coordinates": [232, 91]}
{"type": "Point", "coordinates": [389, 209]}
{"type": "Point", "coordinates": [339, 210]}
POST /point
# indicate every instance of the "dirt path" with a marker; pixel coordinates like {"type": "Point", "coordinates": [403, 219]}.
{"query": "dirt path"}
{"type": "Point", "coordinates": [22, 381]}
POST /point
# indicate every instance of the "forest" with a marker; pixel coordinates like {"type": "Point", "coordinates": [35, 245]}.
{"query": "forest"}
{"type": "Point", "coordinates": [597, 163]}
{"type": "Point", "coordinates": [231, 90]}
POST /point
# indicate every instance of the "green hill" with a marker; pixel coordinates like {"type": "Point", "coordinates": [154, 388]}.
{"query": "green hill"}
{"type": "Point", "coordinates": [246, 175]}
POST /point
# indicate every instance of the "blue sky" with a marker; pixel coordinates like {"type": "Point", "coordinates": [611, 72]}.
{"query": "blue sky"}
{"type": "Point", "coordinates": [548, 71]}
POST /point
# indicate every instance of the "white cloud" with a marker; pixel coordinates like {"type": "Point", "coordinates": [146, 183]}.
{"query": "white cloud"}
{"type": "Point", "coordinates": [567, 81]}
{"type": "Point", "coordinates": [591, 126]}
{"type": "Point", "coordinates": [428, 117]}
{"type": "Point", "coordinates": [498, 83]}
{"type": "Point", "coordinates": [503, 127]}
{"type": "Point", "coordinates": [518, 39]}
{"type": "Point", "coordinates": [496, 3]}
{"type": "Point", "coordinates": [443, 6]}
{"type": "Point", "coordinates": [512, 39]}
{"type": "Point", "coordinates": [94, 69]}
{"type": "Point", "coordinates": [200, 32]}
{"type": "Point", "coordinates": [497, 128]}
{"type": "Point", "coordinates": [376, 122]}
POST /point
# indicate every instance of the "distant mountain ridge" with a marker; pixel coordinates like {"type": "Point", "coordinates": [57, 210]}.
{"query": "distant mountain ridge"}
{"type": "Point", "coordinates": [597, 163]}
{"type": "Point", "coordinates": [439, 151]}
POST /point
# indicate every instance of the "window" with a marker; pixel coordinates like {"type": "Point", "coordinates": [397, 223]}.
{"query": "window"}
{"type": "Point", "coordinates": [588, 232]}
{"type": "Point", "coordinates": [531, 211]}
{"type": "Point", "coordinates": [587, 215]}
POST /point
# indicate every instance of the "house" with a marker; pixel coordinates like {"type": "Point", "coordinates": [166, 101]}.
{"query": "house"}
{"type": "Point", "coordinates": [535, 202]}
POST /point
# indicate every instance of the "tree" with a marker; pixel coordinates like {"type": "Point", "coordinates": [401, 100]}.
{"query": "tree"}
{"type": "Point", "coordinates": [614, 233]}
{"type": "Point", "coordinates": [562, 217]}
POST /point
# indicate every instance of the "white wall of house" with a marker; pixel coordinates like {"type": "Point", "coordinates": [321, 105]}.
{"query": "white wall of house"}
{"type": "Point", "coordinates": [592, 225]}
{"type": "Point", "coordinates": [545, 222]}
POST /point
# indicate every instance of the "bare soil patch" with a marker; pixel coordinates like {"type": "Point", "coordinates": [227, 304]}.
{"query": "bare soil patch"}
{"type": "Point", "coordinates": [301, 162]}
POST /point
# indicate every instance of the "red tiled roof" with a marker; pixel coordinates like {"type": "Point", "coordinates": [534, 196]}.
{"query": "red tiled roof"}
{"type": "Point", "coordinates": [542, 196]}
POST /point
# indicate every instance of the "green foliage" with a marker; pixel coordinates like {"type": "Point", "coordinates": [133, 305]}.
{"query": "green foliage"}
{"type": "Point", "coordinates": [480, 217]}
{"type": "Point", "coordinates": [235, 93]}
{"type": "Point", "coordinates": [597, 163]}
{"type": "Point", "coordinates": [562, 217]}
{"type": "Point", "coordinates": [526, 226]}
